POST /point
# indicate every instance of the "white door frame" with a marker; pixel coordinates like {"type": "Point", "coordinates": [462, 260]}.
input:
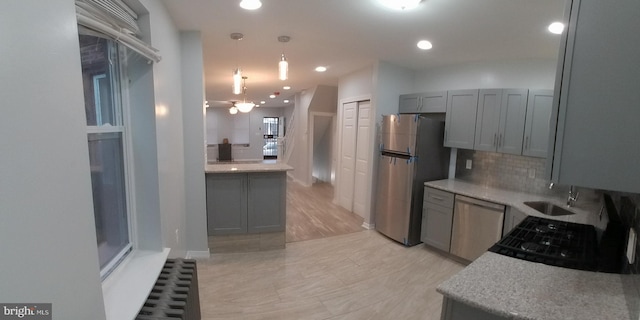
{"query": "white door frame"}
{"type": "Point", "coordinates": [311, 131]}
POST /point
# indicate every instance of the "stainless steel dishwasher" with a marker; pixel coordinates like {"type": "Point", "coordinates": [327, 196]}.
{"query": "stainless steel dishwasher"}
{"type": "Point", "coordinates": [477, 225]}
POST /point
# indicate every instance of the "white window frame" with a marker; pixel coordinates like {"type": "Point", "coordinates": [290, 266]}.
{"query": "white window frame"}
{"type": "Point", "coordinates": [122, 113]}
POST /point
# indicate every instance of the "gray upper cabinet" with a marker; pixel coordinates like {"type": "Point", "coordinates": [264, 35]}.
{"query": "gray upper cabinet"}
{"type": "Point", "coordinates": [500, 120]}
{"type": "Point", "coordinates": [488, 120]}
{"type": "Point", "coordinates": [597, 102]}
{"type": "Point", "coordinates": [460, 125]}
{"type": "Point", "coordinates": [513, 111]}
{"type": "Point", "coordinates": [536, 137]}
{"type": "Point", "coordinates": [427, 102]}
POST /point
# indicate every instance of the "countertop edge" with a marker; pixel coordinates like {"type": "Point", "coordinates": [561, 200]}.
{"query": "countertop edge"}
{"type": "Point", "coordinates": [247, 167]}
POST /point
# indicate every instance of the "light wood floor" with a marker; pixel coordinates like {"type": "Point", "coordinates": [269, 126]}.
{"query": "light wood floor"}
{"type": "Point", "coordinates": [312, 215]}
{"type": "Point", "coordinates": [360, 275]}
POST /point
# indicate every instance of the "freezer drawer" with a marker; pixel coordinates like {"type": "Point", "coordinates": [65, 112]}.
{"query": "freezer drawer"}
{"type": "Point", "coordinates": [477, 225]}
{"type": "Point", "coordinates": [393, 200]}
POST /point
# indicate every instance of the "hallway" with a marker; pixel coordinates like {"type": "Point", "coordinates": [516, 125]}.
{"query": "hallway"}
{"type": "Point", "coordinates": [311, 214]}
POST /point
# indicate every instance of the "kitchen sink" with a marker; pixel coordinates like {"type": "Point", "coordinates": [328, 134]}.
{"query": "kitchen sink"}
{"type": "Point", "coordinates": [548, 208]}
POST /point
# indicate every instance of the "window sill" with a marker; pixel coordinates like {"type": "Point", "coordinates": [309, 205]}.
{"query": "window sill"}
{"type": "Point", "coordinates": [128, 287]}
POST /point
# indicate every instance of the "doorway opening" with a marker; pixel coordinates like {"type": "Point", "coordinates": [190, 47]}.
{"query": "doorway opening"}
{"type": "Point", "coordinates": [270, 134]}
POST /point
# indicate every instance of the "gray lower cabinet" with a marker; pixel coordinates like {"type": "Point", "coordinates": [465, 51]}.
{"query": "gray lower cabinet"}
{"type": "Point", "coordinates": [460, 124]}
{"type": "Point", "coordinates": [536, 131]}
{"type": "Point", "coordinates": [500, 120]}
{"type": "Point", "coordinates": [226, 203]}
{"type": "Point", "coordinates": [437, 218]}
{"type": "Point", "coordinates": [455, 310]}
{"type": "Point", "coordinates": [512, 218]}
{"type": "Point", "coordinates": [239, 203]}
{"type": "Point", "coordinates": [596, 106]}
{"type": "Point", "coordinates": [267, 202]}
{"type": "Point", "coordinates": [426, 102]}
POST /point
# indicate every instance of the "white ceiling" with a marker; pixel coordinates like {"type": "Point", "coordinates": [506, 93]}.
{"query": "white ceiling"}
{"type": "Point", "coordinates": [347, 35]}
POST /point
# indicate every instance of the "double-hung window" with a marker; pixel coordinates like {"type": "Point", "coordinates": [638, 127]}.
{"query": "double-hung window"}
{"type": "Point", "coordinates": [103, 62]}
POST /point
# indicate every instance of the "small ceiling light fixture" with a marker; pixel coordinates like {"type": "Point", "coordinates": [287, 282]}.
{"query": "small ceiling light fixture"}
{"type": "Point", "coordinates": [263, 102]}
{"type": "Point", "coordinates": [286, 101]}
{"type": "Point", "coordinates": [401, 4]}
{"type": "Point", "coordinates": [424, 45]}
{"type": "Point", "coordinates": [250, 4]}
{"type": "Point", "coordinates": [286, 87]}
{"type": "Point", "coordinates": [237, 73]}
{"type": "Point", "coordinates": [233, 109]}
{"type": "Point", "coordinates": [283, 65]}
{"type": "Point", "coordinates": [244, 106]}
{"type": "Point", "coordinates": [556, 27]}
{"type": "Point", "coordinates": [272, 96]}
{"type": "Point", "coordinates": [321, 69]}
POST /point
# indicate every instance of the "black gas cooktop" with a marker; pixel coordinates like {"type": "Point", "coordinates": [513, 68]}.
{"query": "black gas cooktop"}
{"type": "Point", "coordinates": [556, 243]}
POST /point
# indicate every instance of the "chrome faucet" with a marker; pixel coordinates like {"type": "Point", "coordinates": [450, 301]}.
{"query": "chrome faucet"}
{"type": "Point", "coordinates": [573, 196]}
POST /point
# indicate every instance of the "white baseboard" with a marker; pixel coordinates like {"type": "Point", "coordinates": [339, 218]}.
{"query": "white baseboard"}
{"type": "Point", "coordinates": [198, 254]}
{"type": "Point", "coordinates": [368, 226]}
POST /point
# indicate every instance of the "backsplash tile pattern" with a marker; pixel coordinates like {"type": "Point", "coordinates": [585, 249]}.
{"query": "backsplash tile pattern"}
{"type": "Point", "coordinates": [505, 171]}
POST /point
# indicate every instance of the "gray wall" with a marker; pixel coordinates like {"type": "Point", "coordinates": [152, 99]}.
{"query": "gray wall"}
{"type": "Point", "coordinates": [47, 234]}
{"type": "Point", "coordinates": [193, 123]}
{"type": "Point", "coordinates": [524, 73]}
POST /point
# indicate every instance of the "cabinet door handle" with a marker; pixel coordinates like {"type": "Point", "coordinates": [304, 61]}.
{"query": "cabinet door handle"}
{"type": "Point", "coordinates": [500, 142]}
{"type": "Point", "coordinates": [437, 198]}
{"type": "Point", "coordinates": [495, 139]}
{"type": "Point", "coordinates": [526, 143]}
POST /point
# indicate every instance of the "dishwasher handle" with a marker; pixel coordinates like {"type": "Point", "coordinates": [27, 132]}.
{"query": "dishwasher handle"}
{"type": "Point", "coordinates": [480, 203]}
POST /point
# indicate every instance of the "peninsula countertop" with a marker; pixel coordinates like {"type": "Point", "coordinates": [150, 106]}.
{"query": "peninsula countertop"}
{"type": "Point", "coordinates": [246, 166]}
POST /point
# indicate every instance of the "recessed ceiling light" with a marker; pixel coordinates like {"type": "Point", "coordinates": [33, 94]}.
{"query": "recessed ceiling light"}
{"type": "Point", "coordinates": [286, 87]}
{"type": "Point", "coordinates": [321, 69]}
{"type": "Point", "coordinates": [286, 101]}
{"type": "Point", "coordinates": [250, 4]}
{"type": "Point", "coordinates": [400, 4]}
{"type": "Point", "coordinates": [272, 96]}
{"type": "Point", "coordinates": [424, 45]}
{"type": "Point", "coordinates": [263, 102]}
{"type": "Point", "coordinates": [556, 27]}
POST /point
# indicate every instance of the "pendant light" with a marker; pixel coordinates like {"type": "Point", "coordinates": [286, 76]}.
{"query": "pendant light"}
{"type": "Point", "coordinates": [237, 73]}
{"type": "Point", "coordinates": [244, 106]}
{"type": "Point", "coordinates": [250, 4]}
{"type": "Point", "coordinates": [233, 109]}
{"type": "Point", "coordinates": [283, 65]}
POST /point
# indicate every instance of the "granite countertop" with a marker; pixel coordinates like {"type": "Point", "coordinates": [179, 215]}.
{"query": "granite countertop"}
{"type": "Point", "coordinates": [586, 212]}
{"type": "Point", "coordinates": [518, 289]}
{"type": "Point", "coordinates": [246, 166]}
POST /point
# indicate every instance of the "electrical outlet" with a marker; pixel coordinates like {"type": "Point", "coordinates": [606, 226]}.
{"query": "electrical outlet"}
{"type": "Point", "coordinates": [468, 165]}
{"type": "Point", "coordinates": [532, 173]}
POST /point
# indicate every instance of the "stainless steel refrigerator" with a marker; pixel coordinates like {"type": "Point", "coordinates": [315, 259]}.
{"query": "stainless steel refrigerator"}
{"type": "Point", "coordinates": [411, 153]}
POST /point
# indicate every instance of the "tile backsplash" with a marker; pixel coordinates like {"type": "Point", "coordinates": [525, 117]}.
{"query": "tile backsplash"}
{"type": "Point", "coordinates": [505, 171]}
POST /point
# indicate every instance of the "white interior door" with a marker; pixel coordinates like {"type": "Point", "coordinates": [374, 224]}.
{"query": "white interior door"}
{"type": "Point", "coordinates": [363, 146]}
{"type": "Point", "coordinates": [348, 155]}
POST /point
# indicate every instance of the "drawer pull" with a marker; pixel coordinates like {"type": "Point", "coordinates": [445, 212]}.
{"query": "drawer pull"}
{"type": "Point", "coordinates": [437, 198]}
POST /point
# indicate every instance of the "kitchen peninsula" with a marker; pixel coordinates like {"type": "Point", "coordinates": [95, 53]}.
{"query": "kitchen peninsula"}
{"type": "Point", "coordinates": [246, 205]}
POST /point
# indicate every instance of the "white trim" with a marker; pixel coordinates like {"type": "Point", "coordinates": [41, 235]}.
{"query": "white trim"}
{"type": "Point", "coordinates": [198, 254]}
{"type": "Point", "coordinates": [368, 226]}
{"type": "Point", "coordinates": [128, 287]}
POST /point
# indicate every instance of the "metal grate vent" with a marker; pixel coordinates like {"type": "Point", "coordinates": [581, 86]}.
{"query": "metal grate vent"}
{"type": "Point", "coordinates": [175, 294]}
